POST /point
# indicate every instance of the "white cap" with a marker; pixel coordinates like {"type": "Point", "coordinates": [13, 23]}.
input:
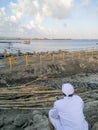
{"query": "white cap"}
{"type": "Point", "coordinates": [67, 89]}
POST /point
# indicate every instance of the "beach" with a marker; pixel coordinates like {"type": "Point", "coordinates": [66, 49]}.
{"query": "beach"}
{"type": "Point", "coordinates": [28, 90]}
{"type": "Point", "coordinates": [44, 44]}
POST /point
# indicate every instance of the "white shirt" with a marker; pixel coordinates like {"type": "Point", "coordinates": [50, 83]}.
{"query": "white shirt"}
{"type": "Point", "coordinates": [67, 114]}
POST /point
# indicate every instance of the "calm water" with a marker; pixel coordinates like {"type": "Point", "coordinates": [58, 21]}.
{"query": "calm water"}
{"type": "Point", "coordinates": [47, 45]}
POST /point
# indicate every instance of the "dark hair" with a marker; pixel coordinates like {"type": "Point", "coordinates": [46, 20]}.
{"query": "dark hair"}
{"type": "Point", "coordinates": [68, 95]}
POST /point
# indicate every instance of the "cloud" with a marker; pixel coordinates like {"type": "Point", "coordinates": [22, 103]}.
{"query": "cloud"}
{"type": "Point", "coordinates": [2, 12]}
{"type": "Point", "coordinates": [28, 15]}
{"type": "Point", "coordinates": [97, 9]}
{"type": "Point", "coordinates": [42, 8]}
{"type": "Point", "coordinates": [8, 24]}
{"type": "Point", "coordinates": [25, 8]}
{"type": "Point", "coordinates": [30, 25]}
{"type": "Point", "coordinates": [65, 25]}
{"type": "Point", "coordinates": [85, 3]}
{"type": "Point", "coordinates": [59, 10]}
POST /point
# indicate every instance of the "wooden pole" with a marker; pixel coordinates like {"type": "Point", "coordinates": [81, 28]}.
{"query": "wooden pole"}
{"type": "Point", "coordinates": [79, 55]}
{"type": "Point", "coordinates": [27, 61]}
{"type": "Point", "coordinates": [34, 54]}
{"type": "Point", "coordinates": [92, 52]}
{"type": "Point", "coordinates": [63, 55]}
{"type": "Point", "coordinates": [72, 55]}
{"type": "Point", "coordinates": [5, 53]}
{"type": "Point", "coordinates": [10, 61]}
{"type": "Point", "coordinates": [40, 59]}
{"type": "Point", "coordinates": [52, 57]}
{"type": "Point", "coordinates": [86, 53]}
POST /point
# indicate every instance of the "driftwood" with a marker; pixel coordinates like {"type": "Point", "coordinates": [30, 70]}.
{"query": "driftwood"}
{"type": "Point", "coordinates": [27, 97]}
{"type": "Point", "coordinates": [36, 96]}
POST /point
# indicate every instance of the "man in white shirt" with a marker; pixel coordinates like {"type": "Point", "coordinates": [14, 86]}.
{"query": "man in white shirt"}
{"type": "Point", "coordinates": [67, 113]}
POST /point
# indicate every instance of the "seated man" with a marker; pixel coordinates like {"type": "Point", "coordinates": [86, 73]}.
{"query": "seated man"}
{"type": "Point", "coordinates": [67, 113]}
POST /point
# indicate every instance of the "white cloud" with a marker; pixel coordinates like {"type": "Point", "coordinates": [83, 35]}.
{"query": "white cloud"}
{"type": "Point", "coordinates": [97, 9]}
{"type": "Point", "coordinates": [30, 25]}
{"type": "Point", "coordinates": [44, 8]}
{"type": "Point", "coordinates": [85, 3]}
{"type": "Point", "coordinates": [28, 15]}
{"type": "Point", "coordinates": [13, 19]}
{"type": "Point", "coordinates": [57, 9]}
{"type": "Point", "coordinates": [39, 18]}
{"type": "Point", "coordinates": [8, 24]}
{"type": "Point", "coordinates": [2, 12]}
{"type": "Point", "coordinates": [25, 8]}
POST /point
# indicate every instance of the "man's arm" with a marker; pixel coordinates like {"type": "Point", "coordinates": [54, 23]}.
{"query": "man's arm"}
{"type": "Point", "coordinates": [53, 112]}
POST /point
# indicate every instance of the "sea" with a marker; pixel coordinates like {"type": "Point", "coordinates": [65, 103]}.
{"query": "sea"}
{"type": "Point", "coordinates": [13, 46]}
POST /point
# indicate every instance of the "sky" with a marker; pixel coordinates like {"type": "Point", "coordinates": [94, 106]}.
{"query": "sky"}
{"type": "Point", "coordinates": [75, 19]}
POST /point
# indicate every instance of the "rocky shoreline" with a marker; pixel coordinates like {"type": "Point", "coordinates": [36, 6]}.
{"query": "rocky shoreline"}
{"type": "Point", "coordinates": [38, 119]}
{"type": "Point", "coordinates": [82, 73]}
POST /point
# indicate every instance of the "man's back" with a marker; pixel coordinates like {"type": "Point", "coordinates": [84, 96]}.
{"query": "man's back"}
{"type": "Point", "coordinates": [67, 113]}
{"type": "Point", "coordinates": [70, 112]}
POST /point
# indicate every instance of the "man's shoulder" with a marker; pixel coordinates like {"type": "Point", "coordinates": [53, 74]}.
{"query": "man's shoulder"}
{"type": "Point", "coordinates": [59, 101]}
{"type": "Point", "coordinates": [78, 98]}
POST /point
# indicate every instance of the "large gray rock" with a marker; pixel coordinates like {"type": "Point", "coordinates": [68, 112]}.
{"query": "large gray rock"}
{"type": "Point", "coordinates": [91, 112]}
{"type": "Point", "coordinates": [29, 128]}
{"type": "Point", "coordinates": [95, 127]}
{"type": "Point", "coordinates": [8, 121]}
{"type": "Point", "coordinates": [1, 123]}
{"type": "Point", "coordinates": [40, 121]}
{"type": "Point", "coordinates": [9, 127]}
{"type": "Point", "coordinates": [21, 120]}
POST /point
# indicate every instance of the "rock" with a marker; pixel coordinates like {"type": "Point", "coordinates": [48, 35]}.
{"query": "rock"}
{"type": "Point", "coordinates": [47, 128]}
{"type": "Point", "coordinates": [95, 127]}
{"type": "Point", "coordinates": [91, 112]}
{"type": "Point", "coordinates": [21, 120]}
{"type": "Point", "coordinates": [37, 118]}
{"type": "Point", "coordinates": [1, 123]}
{"type": "Point", "coordinates": [41, 122]}
{"type": "Point", "coordinates": [36, 112]}
{"type": "Point", "coordinates": [29, 128]}
{"type": "Point", "coordinates": [9, 127]}
{"type": "Point", "coordinates": [8, 121]}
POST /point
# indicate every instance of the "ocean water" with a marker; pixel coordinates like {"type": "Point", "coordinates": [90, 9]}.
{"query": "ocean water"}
{"type": "Point", "coordinates": [47, 45]}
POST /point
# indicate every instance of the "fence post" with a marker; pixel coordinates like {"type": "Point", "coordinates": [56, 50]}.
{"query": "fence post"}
{"type": "Point", "coordinates": [5, 53]}
{"type": "Point", "coordinates": [40, 59]}
{"type": "Point", "coordinates": [79, 55]}
{"type": "Point", "coordinates": [86, 53]}
{"type": "Point", "coordinates": [27, 61]}
{"type": "Point", "coordinates": [34, 54]}
{"type": "Point", "coordinates": [93, 52]}
{"type": "Point", "coordinates": [52, 57]}
{"type": "Point", "coordinates": [72, 55]}
{"type": "Point", "coordinates": [63, 54]}
{"type": "Point", "coordinates": [10, 61]}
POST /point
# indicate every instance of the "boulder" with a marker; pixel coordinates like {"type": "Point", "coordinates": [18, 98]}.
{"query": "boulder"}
{"type": "Point", "coordinates": [95, 126]}
{"type": "Point", "coordinates": [1, 123]}
{"type": "Point", "coordinates": [21, 120]}
{"type": "Point", "coordinates": [91, 112]}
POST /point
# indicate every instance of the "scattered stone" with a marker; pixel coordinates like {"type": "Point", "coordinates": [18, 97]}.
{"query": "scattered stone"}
{"type": "Point", "coordinates": [95, 127]}
{"type": "Point", "coordinates": [21, 120]}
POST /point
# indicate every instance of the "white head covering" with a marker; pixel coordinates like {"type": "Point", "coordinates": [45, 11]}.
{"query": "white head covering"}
{"type": "Point", "coordinates": [67, 89]}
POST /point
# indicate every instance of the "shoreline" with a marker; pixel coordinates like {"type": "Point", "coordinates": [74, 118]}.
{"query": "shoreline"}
{"type": "Point", "coordinates": [49, 65]}
{"type": "Point", "coordinates": [43, 45]}
{"type": "Point", "coordinates": [25, 89]}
